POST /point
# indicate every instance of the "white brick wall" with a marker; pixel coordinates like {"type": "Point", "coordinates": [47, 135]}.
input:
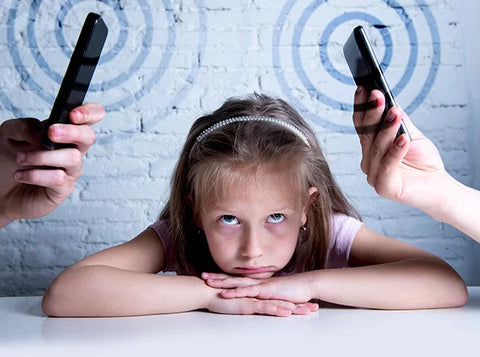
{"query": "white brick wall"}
{"type": "Point", "coordinates": [472, 63]}
{"type": "Point", "coordinates": [219, 49]}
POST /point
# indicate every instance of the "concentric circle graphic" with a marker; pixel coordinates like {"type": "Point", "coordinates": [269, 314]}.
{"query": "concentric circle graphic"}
{"type": "Point", "coordinates": [142, 44]}
{"type": "Point", "coordinates": [312, 73]}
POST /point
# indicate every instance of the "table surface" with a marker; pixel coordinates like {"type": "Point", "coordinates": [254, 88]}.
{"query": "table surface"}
{"type": "Point", "coordinates": [26, 331]}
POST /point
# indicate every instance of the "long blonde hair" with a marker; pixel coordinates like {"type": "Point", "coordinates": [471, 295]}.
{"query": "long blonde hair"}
{"type": "Point", "coordinates": [205, 166]}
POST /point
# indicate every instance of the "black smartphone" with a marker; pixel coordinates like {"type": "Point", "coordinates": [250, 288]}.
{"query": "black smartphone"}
{"type": "Point", "coordinates": [78, 75]}
{"type": "Point", "coordinates": [366, 70]}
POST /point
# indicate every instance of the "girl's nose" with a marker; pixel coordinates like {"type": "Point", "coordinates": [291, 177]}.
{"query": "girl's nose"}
{"type": "Point", "coordinates": [252, 247]}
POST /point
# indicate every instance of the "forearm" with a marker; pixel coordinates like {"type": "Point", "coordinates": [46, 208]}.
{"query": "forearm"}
{"type": "Point", "coordinates": [461, 209]}
{"type": "Point", "coordinates": [409, 284]}
{"type": "Point", "coordinates": [107, 291]}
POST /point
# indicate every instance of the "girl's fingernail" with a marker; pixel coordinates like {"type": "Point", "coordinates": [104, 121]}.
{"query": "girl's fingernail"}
{"type": "Point", "coordinates": [18, 175]}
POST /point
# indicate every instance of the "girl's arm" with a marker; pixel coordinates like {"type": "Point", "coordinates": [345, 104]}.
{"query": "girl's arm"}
{"type": "Point", "coordinates": [385, 274]}
{"type": "Point", "coordinates": [122, 281]}
{"type": "Point", "coordinates": [390, 274]}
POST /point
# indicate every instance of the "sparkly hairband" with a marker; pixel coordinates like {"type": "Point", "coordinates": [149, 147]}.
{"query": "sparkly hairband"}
{"type": "Point", "coordinates": [292, 128]}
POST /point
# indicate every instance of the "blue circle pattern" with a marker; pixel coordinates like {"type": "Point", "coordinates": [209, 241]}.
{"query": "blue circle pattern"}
{"type": "Point", "coordinates": [121, 78]}
{"type": "Point", "coordinates": [312, 90]}
{"type": "Point", "coordinates": [324, 40]}
{"type": "Point", "coordinates": [347, 17]}
{"type": "Point", "coordinates": [106, 56]}
{"type": "Point", "coordinates": [12, 14]}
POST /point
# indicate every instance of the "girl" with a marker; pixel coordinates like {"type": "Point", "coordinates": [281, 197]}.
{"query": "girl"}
{"type": "Point", "coordinates": [255, 224]}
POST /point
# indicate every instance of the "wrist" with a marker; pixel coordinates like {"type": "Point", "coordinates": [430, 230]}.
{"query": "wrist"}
{"type": "Point", "coordinates": [462, 210]}
{"type": "Point", "coordinates": [444, 207]}
{"type": "Point", "coordinates": [208, 295]}
{"type": "Point", "coordinates": [314, 283]}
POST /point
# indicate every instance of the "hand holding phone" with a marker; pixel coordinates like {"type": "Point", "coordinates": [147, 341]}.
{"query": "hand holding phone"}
{"type": "Point", "coordinates": [366, 70]}
{"type": "Point", "coordinates": [78, 75]}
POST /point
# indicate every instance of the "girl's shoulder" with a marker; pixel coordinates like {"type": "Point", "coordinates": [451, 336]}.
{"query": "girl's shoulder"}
{"type": "Point", "coordinates": [160, 227]}
{"type": "Point", "coordinates": [162, 230]}
{"type": "Point", "coordinates": [344, 224]}
{"type": "Point", "coordinates": [343, 231]}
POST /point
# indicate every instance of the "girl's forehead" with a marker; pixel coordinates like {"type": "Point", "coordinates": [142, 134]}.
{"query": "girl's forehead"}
{"type": "Point", "coordinates": [263, 182]}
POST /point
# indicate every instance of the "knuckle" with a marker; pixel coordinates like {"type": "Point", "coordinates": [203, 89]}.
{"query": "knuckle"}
{"type": "Point", "coordinates": [90, 137]}
{"type": "Point", "coordinates": [77, 174]}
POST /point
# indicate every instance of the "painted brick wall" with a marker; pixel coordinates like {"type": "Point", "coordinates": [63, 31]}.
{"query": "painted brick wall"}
{"type": "Point", "coordinates": [167, 62]}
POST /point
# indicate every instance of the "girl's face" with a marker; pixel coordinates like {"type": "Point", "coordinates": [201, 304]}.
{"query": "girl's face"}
{"type": "Point", "coordinates": [253, 230]}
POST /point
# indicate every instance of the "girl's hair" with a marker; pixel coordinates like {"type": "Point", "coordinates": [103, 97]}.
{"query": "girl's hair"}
{"type": "Point", "coordinates": [206, 167]}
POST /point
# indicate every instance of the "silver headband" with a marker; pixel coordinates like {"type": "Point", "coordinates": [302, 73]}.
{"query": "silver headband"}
{"type": "Point", "coordinates": [292, 128]}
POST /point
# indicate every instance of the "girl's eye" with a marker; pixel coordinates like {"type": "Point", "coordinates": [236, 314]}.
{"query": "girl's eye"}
{"type": "Point", "coordinates": [229, 220]}
{"type": "Point", "coordinates": [276, 218]}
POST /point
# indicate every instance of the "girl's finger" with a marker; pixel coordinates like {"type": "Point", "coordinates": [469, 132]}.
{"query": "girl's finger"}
{"type": "Point", "coordinates": [280, 308]}
{"type": "Point", "coordinates": [229, 283]}
{"type": "Point", "coordinates": [274, 307]}
{"type": "Point", "coordinates": [304, 309]}
{"type": "Point", "coordinates": [206, 276]}
{"type": "Point", "coordinates": [249, 291]}
{"type": "Point", "coordinates": [266, 308]}
{"type": "Point", "coordinates": [215, 278]}
{"type": "Point", "coordinates": [313, 306]}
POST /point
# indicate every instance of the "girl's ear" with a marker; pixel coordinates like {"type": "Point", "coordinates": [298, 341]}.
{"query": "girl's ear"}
{"type": "Point", "coordinates": [312, 196]}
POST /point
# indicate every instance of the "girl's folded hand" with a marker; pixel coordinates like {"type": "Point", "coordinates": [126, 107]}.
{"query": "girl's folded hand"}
{"type": "Point", "coordinates": [293, 288]}
{"type": "Point", "coordinates": [251, 306]}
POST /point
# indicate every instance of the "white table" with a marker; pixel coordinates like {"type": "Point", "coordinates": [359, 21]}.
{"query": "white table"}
{"type": "Point", "coordinates": [332, 332]}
